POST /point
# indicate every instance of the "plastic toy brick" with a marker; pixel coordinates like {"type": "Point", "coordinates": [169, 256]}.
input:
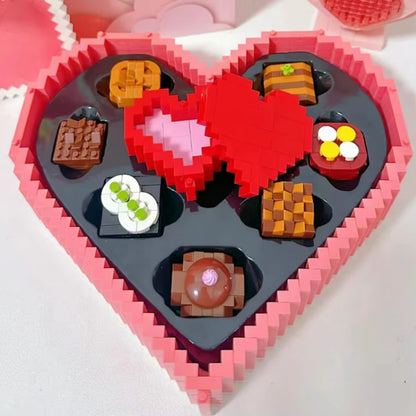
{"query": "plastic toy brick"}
{"type": "Point", "coordinates": [168, 17]}
{"type": "Point", "coordinates": [294, 78]}
{"type": "Point", "coordinates": [129, 79]}
{"type": "Point", "coordinates": [131, 209]}
{"type": "Point", "coordinates": [46, 23]}
{"type": "Point", "coordinates": [361, 13]}
{"type": "Point", "coordinates": [187, 171]}
{"type": "Point", "coordinates": [185, 138]}
{"type": "Point", "coordinates": [63, 25]}
{"type": "Point", "coordinates": [368, 36]}
{"type": "Point", "coordinates": [259, 139]}
{"type": "Point", "coordinates": [288, 211]}
{"type": "Point", "coordinates": [79, 143]}
{"type": "Point", "coordinates": [338, 150]}
{"type": "Point", "coordinates": [207, 284]}
{"type": "Point", "coordinates": [309, 280]}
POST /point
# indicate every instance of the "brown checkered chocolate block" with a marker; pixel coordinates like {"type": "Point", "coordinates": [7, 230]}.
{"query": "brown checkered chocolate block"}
{"type": "Point", "coordinates": [287, 211]}
{"type": "Point", "coordinates": [207, 284]}
{"type": "Point", "coordinates": [79, 143]}
{"type": "Point", "coordinates": [294, 78]}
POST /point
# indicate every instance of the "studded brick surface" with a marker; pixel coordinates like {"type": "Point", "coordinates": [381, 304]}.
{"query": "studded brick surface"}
{"type": "Point", "coordinates": [287, 211]}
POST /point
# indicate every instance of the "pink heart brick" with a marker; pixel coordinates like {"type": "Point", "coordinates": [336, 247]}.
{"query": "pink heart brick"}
{"type": "Point", "coordinates": [185, 138]}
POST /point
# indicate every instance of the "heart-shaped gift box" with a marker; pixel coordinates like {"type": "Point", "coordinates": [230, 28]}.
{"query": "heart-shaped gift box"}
{"type": "Point", "coordinates": [206, 386]}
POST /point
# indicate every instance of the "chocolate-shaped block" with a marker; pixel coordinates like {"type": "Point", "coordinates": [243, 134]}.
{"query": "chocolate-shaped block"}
{"type": "Point", "coordinates": [79, 143]}
{"type": "Point", "coordinates": [338, 150]}
{"type": "Point", "coordinates": [207, 284]}
{"type": "Point", "coordinates": [294, 78]}
{"type": "Point", "coordinates": [287, 211]}
{"type": "Point", "coordinates": [129, 79]}
{"type": "Point", "coordinates": [131, 207]}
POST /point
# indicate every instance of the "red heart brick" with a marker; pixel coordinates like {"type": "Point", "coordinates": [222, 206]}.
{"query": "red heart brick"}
{"type": "Point", "coordinates": [259, 139]}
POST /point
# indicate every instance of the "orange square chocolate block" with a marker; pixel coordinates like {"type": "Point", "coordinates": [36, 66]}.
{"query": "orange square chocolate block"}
{"type": "Point", "coordinates": [287, 211]}
{"type": "Point", "coordinates": [79, 143]}
{"type": "Point", "coordinates": [207, 284]}
{"type": "Point", "coordinates": [294, 78]}
{"type": "Point", "coordinates": [129, 79]}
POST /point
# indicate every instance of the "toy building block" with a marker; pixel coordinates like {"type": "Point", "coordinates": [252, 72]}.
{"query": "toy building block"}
{"type": "Point", "coordinates": [164, 133]}
{"type": "Point", "coordinates": [135, 210]}
{"type": "Point", "coordinates": [287, 211]}
{"type": "Point", "coordinates": [207, 284]}
{"type": "Point", "coordinates": [259, 139]}
{"type": "Point", "coordinates": [280, 311]}
{"type": "Point", "coordinates": [294, 78]}
{"type": "Point", "coordinates": [185, 138]}
{"type": "Point", "coordinates": [338, 150]}
{"type": "Point", "coordinates": [45, 23]}
{"type": "Point", "coordinates": [362, 13]}
{"type": "Point", "coordinates": [79, 144]}
{"type": "Point", "coordinates": [356, 21]}
{"type": "Point", "coordinates": [168, 17]}
{"type": "Point", "coordinates": [129, 79]}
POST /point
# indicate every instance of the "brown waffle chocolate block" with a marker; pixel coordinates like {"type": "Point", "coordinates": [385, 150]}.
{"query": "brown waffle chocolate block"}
{"type": "Point", "coordinates": [287, 211]}
{"type": "Point", "coordinates": [207, 284]}
{"type": "Point", "coordinates": [79, 143]}
{"type": "Point", "coordinates": [294, 78]}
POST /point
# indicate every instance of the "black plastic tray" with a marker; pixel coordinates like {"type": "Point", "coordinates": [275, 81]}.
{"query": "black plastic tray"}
{"type": "Point", "coordinates": [219, 219]}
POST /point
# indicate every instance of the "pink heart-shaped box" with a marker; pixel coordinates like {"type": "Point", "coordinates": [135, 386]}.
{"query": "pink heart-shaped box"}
{"type": "Point", "coordinates": [207, 387]}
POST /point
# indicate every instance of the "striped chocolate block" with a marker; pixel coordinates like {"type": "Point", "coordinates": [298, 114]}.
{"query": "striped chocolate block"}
{"type": "Point", "coordinates": [294, 78]}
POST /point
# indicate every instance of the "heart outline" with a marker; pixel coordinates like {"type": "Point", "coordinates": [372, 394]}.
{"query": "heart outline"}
{"type": "Point", "coordinates": [207, 388]}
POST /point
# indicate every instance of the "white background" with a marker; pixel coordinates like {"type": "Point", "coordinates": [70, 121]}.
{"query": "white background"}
{"type": "Point", "coordinates": [63, 350]}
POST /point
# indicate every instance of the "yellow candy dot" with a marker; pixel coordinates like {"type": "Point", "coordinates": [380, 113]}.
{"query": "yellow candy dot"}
{"type": "Point", "coordinates": [346, 134]}
{"type": "Point", "coordinates": [329, 150]}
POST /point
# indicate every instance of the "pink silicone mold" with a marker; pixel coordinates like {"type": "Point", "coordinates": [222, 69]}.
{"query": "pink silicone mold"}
{"type": "Point", "coordinates": [207, 388]}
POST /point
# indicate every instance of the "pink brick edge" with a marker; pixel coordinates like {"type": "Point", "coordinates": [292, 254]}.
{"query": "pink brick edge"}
{"type": "Point", "coordinates": [207, 388]}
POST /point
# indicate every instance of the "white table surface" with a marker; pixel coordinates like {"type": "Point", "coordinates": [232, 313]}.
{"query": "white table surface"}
{"type": "Point", "coordinates": [63, 350]}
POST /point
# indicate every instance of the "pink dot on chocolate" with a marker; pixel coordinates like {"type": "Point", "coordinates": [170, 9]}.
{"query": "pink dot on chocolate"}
{"type": "Point", "coordinates": [201, 294]}
{"type": "Point", "coordinates": [210, 277]}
